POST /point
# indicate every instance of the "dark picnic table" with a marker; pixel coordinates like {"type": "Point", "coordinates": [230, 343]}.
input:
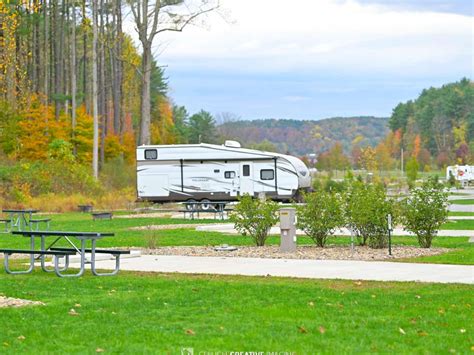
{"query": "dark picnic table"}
{"type": "Point", "coordinates": [194, 208]}
{"type": "Point", "coordinates": [18, 218]}
{"type": "Point", "coordinates": [60, 252]}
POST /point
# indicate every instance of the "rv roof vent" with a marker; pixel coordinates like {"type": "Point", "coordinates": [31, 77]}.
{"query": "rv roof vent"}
{"type": "Point", "coordinates": [232, 144]}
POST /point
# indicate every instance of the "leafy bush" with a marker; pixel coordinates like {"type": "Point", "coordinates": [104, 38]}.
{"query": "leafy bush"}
{"type": "Point", "coordinates": [255, 217]}
{"type": "Point", "coordinates": [425, 210]}
{"type": "Point", "coordinates": [412, 171]}
{"type": "Point", "coordinates": [321, 215]}
{"type": "Point", "coordinates": [366, 210]}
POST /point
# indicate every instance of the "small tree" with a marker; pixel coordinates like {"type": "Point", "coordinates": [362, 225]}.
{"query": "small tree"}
{"type": "Point", "coordinates": [425, 210]}
{"type": "Point", "coordinates": [255, 217]}
{"type": "Point", "coordinates": [321, 215]}
{"type": "Point", "coordinates": [366, 213]}
{"type": "Point", "coordinates": [412, 171]}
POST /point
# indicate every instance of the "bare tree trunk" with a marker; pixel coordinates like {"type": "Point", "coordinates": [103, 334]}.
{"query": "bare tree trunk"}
{"type": "Point", "coordinates": [73, 73]}
{"type": "Point", "coordinates": [145, 97]}
{"type": "Point", "coordinates": [117, 66]}
{"type": "Point", "coordinates": [95, 147]}
{"type": "Point", "coordinates": [102, 86]}
{"type": "Point", "coordinates": [57, 58]}
{"type": "Point", "coordinates": [84, 57]}
{"type": "Point", "coordinates": [46, 58]}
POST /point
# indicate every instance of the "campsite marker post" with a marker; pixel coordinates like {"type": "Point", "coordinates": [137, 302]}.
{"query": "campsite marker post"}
{"type": "Point", "coordinates": [389, 220]}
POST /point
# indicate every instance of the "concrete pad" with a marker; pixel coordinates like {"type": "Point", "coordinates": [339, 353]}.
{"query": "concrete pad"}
{"type": "Point", "coordinates": [461, 208]}
{"type": "Point", "coordinates": [229, 229]}
{"type": "Point", "coordinates": [77, 258]}
{"type": "Point", "coordinates": [314, 269]}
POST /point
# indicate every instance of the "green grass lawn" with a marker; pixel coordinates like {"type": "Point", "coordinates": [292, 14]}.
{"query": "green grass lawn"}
{"type": "Point", "coordinates": [460, 224]}
{"type": "Point", "coordinates": [162, 313]}
{"type": "Point", "coordinates": [461, 213]}
{"type": "Point", "coordinates": [463, 251]}
{"type": "Point", "coordinates": [462, 202]}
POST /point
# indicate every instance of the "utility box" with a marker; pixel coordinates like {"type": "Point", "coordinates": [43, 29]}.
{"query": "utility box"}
{"type": "Point", "coordinates": [287, 230]}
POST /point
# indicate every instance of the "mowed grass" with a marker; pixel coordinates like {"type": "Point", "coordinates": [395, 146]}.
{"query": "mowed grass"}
{"type": "Point", "coordinates": [463, 251]}
{"type": "Point", "coordinates": [461, 213]}
{"type": "Point", "coordinates": [162, 313]}
{"type": "Point", "coordinates": [466, 201]}
{"type": "Point", "coordinates": [459, 224]}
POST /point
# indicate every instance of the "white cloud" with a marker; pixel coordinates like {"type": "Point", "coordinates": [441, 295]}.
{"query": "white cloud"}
{"type": "Point", "coordinates": [308, 35]}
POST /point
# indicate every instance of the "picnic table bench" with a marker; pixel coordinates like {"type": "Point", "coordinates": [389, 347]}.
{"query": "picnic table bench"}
{"type": "Point", "coordinates": [32, 253]}
{"type": "Point", "coordinates": [85, 208]}
{"type": "Point", "coordinates": [196, 212]}
{"type": "Point", "coordinates": [35, 223]}
{"type": "Point", "coordinates": [60, 252]}
{"type": "Point", "coordinates": [101, 215]}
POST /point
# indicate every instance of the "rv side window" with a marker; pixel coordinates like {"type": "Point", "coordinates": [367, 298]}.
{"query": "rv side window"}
{"type": "Point", "coordinates": [151, 154]}
{"type": "Point", "coordinates": [229, 174]}
{"type": "Point", "coordinates": [246, 171]}
{"type": "Point", "coordinates": [267, 174]}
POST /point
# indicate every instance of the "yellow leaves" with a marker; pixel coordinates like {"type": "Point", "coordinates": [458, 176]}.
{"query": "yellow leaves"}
{"type": "Point", "coordinates": [162, 123]}
{"type": "Point", "coordinates": [190, 332]}
{"type": "Point", "coordinates": [38, 129]}
{"type": "Point", "coordinates": [401, 331]}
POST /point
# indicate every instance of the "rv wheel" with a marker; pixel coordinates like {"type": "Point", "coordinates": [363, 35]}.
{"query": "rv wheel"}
{"type": "Point", "coordinates": [190, 205]}
{"type": "Point", "coordinates": [205, 205]}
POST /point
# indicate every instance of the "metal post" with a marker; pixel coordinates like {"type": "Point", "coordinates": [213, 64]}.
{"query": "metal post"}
{"type": "Point", "coordinates": [352, 241]}
{"type": "Point", "coordinates": [389, 220]}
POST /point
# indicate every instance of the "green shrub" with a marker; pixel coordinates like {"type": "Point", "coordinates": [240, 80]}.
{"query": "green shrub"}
{"type": "Point", "coordinates": [412, 171]}
{"type": "Point", "coordinates": [425, 210]}
{"type": "Point", "coordinates": [255, 217]}
{"type": "Point", "coordinates": [321, 215]}
{"type": "Point", "coordinates": [366, 210]}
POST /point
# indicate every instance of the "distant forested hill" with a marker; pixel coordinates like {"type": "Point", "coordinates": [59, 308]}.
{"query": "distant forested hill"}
{"type": "Point", "coordinates": [302, 137]}
{"type": "Point", "coordinates": [438, 125]}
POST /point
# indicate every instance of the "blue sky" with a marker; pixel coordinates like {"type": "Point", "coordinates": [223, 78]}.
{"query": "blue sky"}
{"type": "Point", "coordinates": [317, 58]}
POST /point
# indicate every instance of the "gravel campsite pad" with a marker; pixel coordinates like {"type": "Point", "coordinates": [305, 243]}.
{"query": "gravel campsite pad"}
{"type": "Point", "coordinates": [17, 302]}
{"type": "Point", "coordinates": [303, 252]}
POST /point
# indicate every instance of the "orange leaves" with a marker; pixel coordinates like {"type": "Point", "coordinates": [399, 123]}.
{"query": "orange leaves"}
{"type": "Point", "coordinates": [162, 127]}
{"type": "Point", "coordinates": [38, 130]}
{"type": "Point", "coordinates": [83, 134]}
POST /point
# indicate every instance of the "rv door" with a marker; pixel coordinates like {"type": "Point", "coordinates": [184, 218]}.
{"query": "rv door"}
{"type": "Point", "coordinates": [246, 178]}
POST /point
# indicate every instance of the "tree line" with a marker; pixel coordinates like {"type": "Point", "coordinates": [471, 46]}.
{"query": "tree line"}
{"type": "Point", "coordinates": [433, 131]}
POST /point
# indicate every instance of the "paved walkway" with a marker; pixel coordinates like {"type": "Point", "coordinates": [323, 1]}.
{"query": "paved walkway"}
{"type": "Point", "coordinates": [229, 228]}
{"type": "Point", "coordinates": [314, 269]}
{"type": "Point", "coordinates": [461, 208]}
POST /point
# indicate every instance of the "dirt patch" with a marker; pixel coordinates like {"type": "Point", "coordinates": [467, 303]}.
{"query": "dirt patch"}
{"type": "Point", "coordinates": [146, 215]}
{"type": "Point", "coordinates": [17, 302]}
{"type": "Point", "coordinates": [165, 226]}
{"type": "Point", "coordinates": [303, 252]}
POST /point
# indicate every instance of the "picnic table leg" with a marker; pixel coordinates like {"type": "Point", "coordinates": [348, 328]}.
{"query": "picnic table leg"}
{"type": "Point", "coordinates": [32, 261]}
{"type": "Point", "coordinates": [117, 263]}
{"type": "Point", "coordinates": [15, 222]}
{"type": "Point", "coordinates": [58, 270]}
{"type": "Point", "coordinates": [43, 265]}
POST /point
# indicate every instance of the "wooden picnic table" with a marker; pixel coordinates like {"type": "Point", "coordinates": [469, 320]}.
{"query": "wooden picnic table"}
{"type": "Point", "coordinates": [59, 252]}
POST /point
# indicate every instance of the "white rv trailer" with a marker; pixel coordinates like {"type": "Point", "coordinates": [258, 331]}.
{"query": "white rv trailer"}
{"type": "Point", "coordinates": [462, 173]}
{"type": "Point", "coordinates": [207, 172]}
